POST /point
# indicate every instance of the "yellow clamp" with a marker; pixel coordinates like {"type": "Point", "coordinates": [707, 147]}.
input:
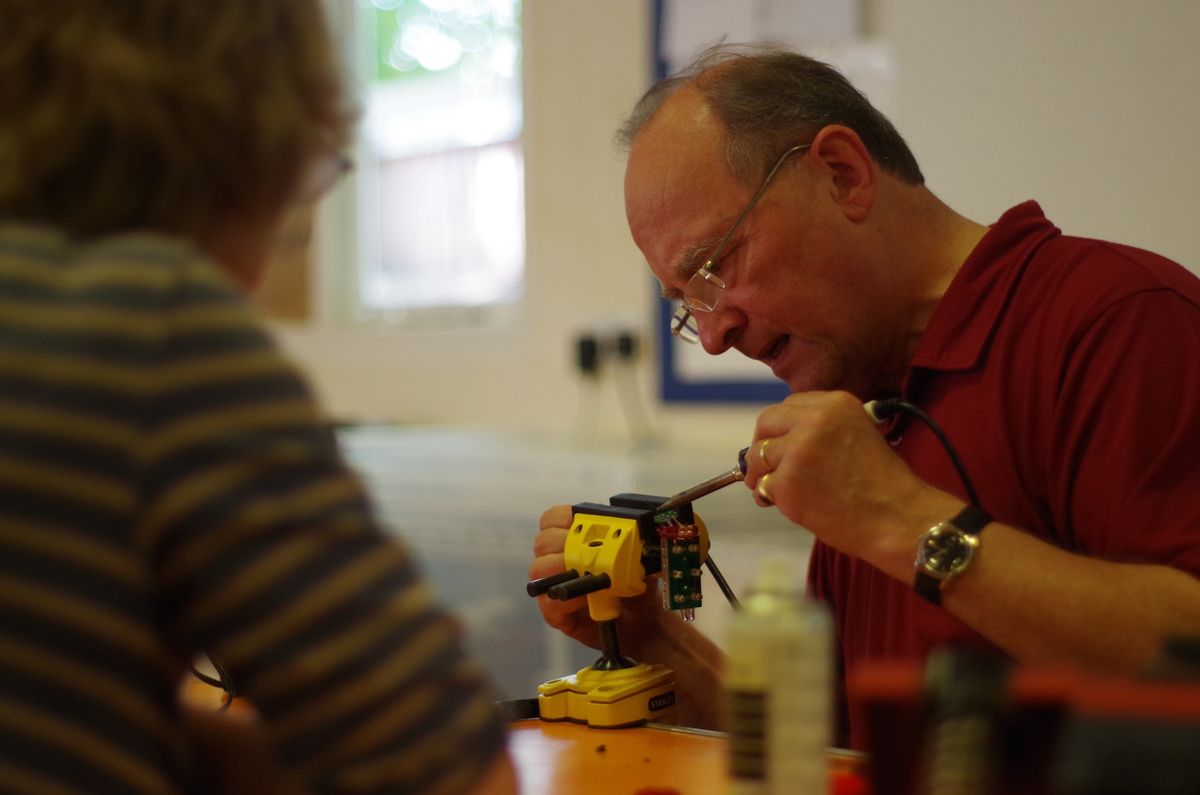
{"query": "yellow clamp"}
{"type": "Point", "coordinates": [607, 545]}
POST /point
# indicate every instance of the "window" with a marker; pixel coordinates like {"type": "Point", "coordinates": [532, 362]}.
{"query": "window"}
{"type": "Point", "coordinates": [441, 186]}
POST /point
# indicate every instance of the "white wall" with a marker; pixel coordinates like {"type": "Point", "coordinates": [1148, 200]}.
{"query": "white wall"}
{"type": "Point", "coordinates": [1089, 106]}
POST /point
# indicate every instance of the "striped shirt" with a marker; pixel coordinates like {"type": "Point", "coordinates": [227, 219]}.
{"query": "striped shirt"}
{"type": "Point", "coordinates": [167, 486]}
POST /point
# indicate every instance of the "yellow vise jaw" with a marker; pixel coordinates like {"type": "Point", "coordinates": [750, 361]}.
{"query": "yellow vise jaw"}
{"type": "Point", "coordinates": [609, 545]}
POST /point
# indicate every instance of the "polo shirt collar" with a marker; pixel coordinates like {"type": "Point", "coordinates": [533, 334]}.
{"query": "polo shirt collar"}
{"type": "Point", "coordinates": [968, 313]}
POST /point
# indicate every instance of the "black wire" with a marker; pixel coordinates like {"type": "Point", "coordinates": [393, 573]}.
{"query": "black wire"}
{"type": "Point", "coordinates": [206, 679]}
{"type": "Point", "coordinates": [519, 709]}
{"type": "Point", "coordinates": [725, 589]}
{"type": "Point", "coordinates": [224, 682]}
{"type": "Point", "coordinates": [882, 409]}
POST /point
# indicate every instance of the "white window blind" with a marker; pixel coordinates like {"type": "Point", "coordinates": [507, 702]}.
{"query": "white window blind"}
{"type": "Point", "coordinates": [440, 198]}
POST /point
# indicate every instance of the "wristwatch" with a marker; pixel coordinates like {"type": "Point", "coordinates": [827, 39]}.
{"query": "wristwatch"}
{"type": "Point", "coordinates": [945, 550]}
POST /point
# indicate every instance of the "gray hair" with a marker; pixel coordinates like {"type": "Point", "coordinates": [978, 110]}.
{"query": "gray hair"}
{"type": "Point", "coordinates": [770, 98]}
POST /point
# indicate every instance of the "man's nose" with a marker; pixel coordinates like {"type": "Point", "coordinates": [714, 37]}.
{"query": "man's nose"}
{"type": "Point", "coordinates": [718, 329]}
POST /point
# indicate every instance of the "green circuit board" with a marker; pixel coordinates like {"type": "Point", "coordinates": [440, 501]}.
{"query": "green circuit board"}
{"type": "Point", "coordinates": [681, 561]}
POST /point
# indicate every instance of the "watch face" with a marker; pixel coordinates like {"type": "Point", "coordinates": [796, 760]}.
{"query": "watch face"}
{"type": "Point", "coordinates": [945, 550]}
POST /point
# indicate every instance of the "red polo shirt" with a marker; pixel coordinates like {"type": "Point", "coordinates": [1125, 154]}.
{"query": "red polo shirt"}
{"type": "Point", "coordinates": [1066, 372]}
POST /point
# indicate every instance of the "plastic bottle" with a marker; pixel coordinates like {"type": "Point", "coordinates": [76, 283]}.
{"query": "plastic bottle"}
{"type": "Point", "coordinates": [778, 688]}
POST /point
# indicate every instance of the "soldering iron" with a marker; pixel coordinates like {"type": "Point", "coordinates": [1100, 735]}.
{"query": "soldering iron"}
{"type": "Point", "coordinates": [738, 473]}
{"type": "Point", "coordinates": [877, 410]}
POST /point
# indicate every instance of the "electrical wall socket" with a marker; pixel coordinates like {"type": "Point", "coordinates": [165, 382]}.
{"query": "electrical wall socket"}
{"type": "Point", "coordinates": [593, 347]}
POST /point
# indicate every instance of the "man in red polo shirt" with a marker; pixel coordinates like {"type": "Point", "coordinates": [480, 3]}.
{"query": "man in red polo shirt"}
{"type": "Point", "coordinates": [793, 224]}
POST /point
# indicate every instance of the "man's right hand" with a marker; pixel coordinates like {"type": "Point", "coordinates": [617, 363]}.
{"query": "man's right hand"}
{"type": "Point", "coordinates": [645, 631]}
{"type": "Point", "coordinates": [571, 616]}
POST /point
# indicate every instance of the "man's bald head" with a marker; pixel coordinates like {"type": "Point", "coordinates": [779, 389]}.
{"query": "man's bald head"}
{"type": "Point", "coordinates": [768, 99]}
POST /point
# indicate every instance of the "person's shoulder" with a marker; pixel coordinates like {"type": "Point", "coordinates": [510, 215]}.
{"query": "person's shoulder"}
{"type": "Point", "coordinates": [155, 262]}
{"type": "Point", "coordinates": [129, 265]}
{"type": "Point", "coordinates": [1108, 272]}
{"type": "Point", "coordinates": [1148, 270]}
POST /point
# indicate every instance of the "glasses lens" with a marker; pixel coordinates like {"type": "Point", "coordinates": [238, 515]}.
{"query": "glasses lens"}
{"type": "Point", "coordinates": [324, 175]}
{"type": "Point", "coordinates": [703, 291]}
{"type": "Point", "coordinates": [683, 326]}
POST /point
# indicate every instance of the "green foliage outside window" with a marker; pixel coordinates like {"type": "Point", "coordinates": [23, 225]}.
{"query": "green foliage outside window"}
{"type": "Point", "coordinates": [413, 38]}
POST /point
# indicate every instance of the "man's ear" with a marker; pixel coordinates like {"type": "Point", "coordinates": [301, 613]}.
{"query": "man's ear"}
{"type": "Point", "coordinates": [853, 177]}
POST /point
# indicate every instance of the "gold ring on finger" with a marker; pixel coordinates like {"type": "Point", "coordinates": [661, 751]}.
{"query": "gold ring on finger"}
{"type": "Point", "coordinates": [762, 453]}
{"type": "Point", "coordinates": [761, 490]}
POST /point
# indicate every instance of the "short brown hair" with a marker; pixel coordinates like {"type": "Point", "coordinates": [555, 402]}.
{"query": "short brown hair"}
{"type": "Point", "coordinates": [174, 116]}
{"type": "Point", "coordinates": [768, 99]}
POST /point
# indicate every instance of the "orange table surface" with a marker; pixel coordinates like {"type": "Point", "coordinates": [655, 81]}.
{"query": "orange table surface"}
{"type": "Point", "coordinates": [562, 757]}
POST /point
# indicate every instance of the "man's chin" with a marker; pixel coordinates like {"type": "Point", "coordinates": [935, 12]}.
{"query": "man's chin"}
{"type": "Point", "coordinates": [809, 367]}
{"type": "Point", "coordinates": [812, 381]}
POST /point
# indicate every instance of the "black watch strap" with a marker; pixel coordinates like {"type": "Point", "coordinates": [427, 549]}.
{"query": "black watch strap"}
{"type": "Point", "coordinates": [971, 520]}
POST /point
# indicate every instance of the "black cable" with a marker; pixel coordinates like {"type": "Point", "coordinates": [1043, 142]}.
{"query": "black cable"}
{"type": "Point", "coordinates": [724, 586]}
{"type": "Point", "coordinates": [223, 681]}
{"type": "Point", "coordinates": [519, 709]}
{"type": "Point", "coordinates": [888, 407]}
{"type": "Point", "coordinates": [206, 679]}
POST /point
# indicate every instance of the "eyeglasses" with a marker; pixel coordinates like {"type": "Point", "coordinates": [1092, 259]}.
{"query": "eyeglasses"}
{"type": "Point", "coordinates": [702, 293]}
{"type": "Point", "coordinates": [324, 175]}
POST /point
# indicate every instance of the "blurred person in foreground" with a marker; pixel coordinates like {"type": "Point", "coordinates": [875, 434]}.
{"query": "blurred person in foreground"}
{"type": "Point", "coordinates": [167, 485]}
{"type": "Point", "coordinates": [792, 222]}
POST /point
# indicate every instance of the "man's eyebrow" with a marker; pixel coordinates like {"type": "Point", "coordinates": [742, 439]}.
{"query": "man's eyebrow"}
{"type": "Point", "coordinates": [684, 268]}
{"type": "Point", "coordinates": [689, 261]}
